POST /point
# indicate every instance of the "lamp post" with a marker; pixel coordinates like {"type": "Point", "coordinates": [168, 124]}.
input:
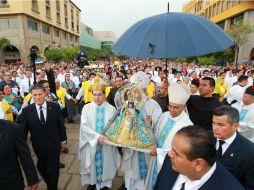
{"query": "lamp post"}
{"type": "Point", "coordinates": [33, 56]}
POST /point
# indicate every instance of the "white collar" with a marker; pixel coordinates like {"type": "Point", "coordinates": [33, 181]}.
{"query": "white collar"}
{"type": "Point", "coordinates": [100, 106]}
{"type": "Point", "coordinates": [248, 107]}
{"type": "Point", "coordinates": [44, 106]}
{"type": "Point", "coordinates": [230, 139]}
{"type": "Point", "coordinates": [196, 184]}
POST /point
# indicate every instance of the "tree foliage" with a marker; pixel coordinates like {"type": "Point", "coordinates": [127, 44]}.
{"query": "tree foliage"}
{"type": "Point", "coordinates": [4, 42]}
{"type": "Point", "coordinates": [61, 54]}
{"type": "Point", "coordinates": [240, 32]}
{"type": "Point", "coordinates": [96, 54]}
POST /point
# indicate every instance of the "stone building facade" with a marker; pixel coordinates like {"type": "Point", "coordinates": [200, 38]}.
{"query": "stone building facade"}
{"type": "Point", "coordinates": [40, 24]}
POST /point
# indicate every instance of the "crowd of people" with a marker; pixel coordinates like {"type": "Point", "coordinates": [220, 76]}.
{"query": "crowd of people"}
{"type": "Point", "coordinates": [201, 117]}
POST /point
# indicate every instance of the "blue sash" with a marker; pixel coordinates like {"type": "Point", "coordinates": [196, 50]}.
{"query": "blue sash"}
{"type": "Point", "coordinates": [164, 132]}
{"type": "Point", "coordinates": [243, 113]}
{"type": "Point", "coordinates": [160, 142]}
{"type": "Point", "coordinates": [142, 165]}
{"type": "Point", "coordinates": [99, 154]}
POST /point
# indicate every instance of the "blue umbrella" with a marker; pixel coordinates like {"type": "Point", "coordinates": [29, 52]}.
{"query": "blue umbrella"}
{"type": "Point", "coordinates": [172, 35]}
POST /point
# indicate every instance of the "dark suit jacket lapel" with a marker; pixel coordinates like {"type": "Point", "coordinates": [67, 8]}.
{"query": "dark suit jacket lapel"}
{"type": "Point", "coordinates": [233, 150]}
{"type": "Point", "coordinates": [36, 116]}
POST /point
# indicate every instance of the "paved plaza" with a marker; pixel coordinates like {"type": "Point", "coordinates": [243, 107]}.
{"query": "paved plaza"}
{"type": "Point", "coordinates": [69, 176]}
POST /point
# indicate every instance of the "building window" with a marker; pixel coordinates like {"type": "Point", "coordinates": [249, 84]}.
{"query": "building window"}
{"type": "Point", "coordinates": [72, 20]}
{"type": "Point", "coordinates": [234, 3]}
{"type": "Point", "coordinates": [228, 4]}
{"type": "Point", "coordinates": [48, 11]}
{"type": "Point", "coordinates": [57, 5]}
{"type": "Point", "coordinates": [76, 39]}
{"type": "Point", "coordinates": [57, 33]}
{"type": "Point", "coordinates": [45, 29]}
{"type": "Point", "coordinates": [3, 2]}
{"type": "Point", "coordinates": [214, 10]}
{"type": "Point", "coordinates": [32, 25]}
{"type": "Point", "coordinates": [206, 13]}
{"type": "Point", "coordinates": [218, 7]}
{"type": "Point", "coordinates": [12, 23]}
{"type": "Point", "coordinates": [210, 12]}
{"type": "Point", "coordinates": [223, 7]}
{"type": "Point", "coordinates": [65, 35]}
{"type": "Point", "coordinates": [58, 18]}
{"type": "Point", "coordinates": [35, 6]}
{"type": "Point", "coordinates": [8, 23]}
{"type": "Point", "coordinates": [71, 38]}
{"type": "Point", "coordinates": [77, 15]}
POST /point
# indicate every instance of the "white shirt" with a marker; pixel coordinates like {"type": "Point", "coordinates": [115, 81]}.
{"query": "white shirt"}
{"type": "Point", "coordinates": [24, 86]}
{"type": "Point", "coordinates": [236, 93]}
{"type": "Point", "coordinates": [193, 185]}
{"type": "Point", "coordinates": [2, 115]}
{"type": "Point", "coordinates": [77, 80]}
{"type": "Point", "coordinates": [44, 110]}
{"type": "Point", "coordinates": [226, 144]}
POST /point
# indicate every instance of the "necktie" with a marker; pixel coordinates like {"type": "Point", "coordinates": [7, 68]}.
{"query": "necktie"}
{"type": "Point", "coordinates": [183, 186]}
{"type": "Point", "coordinates": [42, 116]}
{"type": "Point", "coordinates": [29, 83]}
{"type": "Point", "coordinates": [219, 151]}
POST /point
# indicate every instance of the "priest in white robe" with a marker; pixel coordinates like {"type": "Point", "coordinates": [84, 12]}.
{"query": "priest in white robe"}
{"type": "Point", "coordinates": [247, 114]}
{"type": "Point", "coordinates": [98, 161]}
{"type": "Point", "coordinates": [134, 163]}
{"type": "Point", "coordinates": [169, 123]}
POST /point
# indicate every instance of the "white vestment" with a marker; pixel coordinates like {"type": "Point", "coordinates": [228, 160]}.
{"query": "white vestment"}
{"type": "Point", "coordinates": [98, 163]}
{"type": "Point", "coordinates": [166, 128]}
{"type": "Point", "coordinates": [134, 163]}
{"type": "Point", "coordinates": [247, 121]}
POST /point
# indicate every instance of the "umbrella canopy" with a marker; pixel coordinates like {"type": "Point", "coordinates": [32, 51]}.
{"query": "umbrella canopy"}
{"type": "Point", "coordinates": [172, 35]}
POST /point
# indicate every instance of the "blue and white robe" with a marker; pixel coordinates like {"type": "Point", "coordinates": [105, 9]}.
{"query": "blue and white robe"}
{"type": "Point", "coordinates": [135, 164]}
{"type": "Point", "coordinates": [247, 121]}
{"type": "Point", "coordinates": [98, 163]}
{"type": "Point", "coordinates": [166, 128]}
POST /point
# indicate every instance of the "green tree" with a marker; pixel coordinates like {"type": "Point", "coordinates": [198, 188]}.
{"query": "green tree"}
{"type": "Point", "coordinates": [62, 54]}
{"type": "Point", "coordinates": [240, 32]}
{"type": "Point", "coordinates": [4, 42]}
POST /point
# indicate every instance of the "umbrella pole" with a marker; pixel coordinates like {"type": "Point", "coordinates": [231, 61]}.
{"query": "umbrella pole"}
{"type": "Point", "coordinates": [167, 68]}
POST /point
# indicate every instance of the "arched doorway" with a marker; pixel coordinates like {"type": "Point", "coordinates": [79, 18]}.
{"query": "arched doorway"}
{"type": "Point", "coordinates": [11, 54]}
{"type": "Point", "coordinates": [252, 54]}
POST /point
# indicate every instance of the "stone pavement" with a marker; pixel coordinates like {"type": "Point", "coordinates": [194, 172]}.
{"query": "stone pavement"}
{"type": "Point", "coordinates": [69, 176]}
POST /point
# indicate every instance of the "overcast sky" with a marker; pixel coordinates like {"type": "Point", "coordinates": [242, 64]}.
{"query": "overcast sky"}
{"type": "Point", "coordinates": [119, 15]}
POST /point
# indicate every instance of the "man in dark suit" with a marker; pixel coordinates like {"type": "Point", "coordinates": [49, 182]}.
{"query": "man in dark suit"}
{"type": "Point", "coordinates": [112, 93]}
{"type": "Point", "coordinates": [191, 164]}
{"type": "Point", "coordinates": [235, 152]}
{"type": "Point", "coordinates": [200, 108]}
{"type": "Point", "coordinates": [45, 123]}
{"type": "Point", "coordinates": [13, 148]}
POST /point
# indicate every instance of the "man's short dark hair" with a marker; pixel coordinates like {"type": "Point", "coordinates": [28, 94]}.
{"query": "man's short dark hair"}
{"type": "Point", "coordinates": [211, 81]}
{"type": "Point", "coordinates": [231, 113]}
{"type": "Point", "coordinates": [242, 78]}
{"type": "Point", "coordinates": [200, 143]}
{"type": "Point", "coordinates": [206, 71]}
{"type": "Point", "coordinates": [119, 77]}
{"type": "Point", "coordinates": [41, 82]}
{"type": "Point", "coordinates": [38, 87]}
